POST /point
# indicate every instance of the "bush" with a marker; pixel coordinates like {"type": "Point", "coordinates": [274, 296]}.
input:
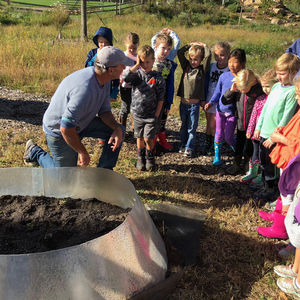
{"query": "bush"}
{"type": "Point", "coordinates": [9, 17]}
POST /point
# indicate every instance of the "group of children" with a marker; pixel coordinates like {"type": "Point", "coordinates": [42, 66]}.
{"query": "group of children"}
{"type": "Point", "coordinates": [257, 116]}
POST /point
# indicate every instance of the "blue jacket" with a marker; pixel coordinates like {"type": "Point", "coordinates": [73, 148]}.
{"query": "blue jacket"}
{"type": "Point", "coordinates": [224, 83]}
{"type": "Point", "coordinates": [294, 48]}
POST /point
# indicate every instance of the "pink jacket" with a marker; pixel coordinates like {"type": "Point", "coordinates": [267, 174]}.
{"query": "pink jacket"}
{"type": "Point", "coordinates": [257, 108]}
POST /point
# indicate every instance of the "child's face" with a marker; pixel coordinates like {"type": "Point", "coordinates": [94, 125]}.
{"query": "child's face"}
{"type": "Point", "coordinates": [266, 86]}
{"type": "Point", "coordinates": [285, 77]}
{"type": "Point", "coordinates": [131, 48]}
{"type": "Point", "coordinates": [221, 57]}
{"type": "Point", "coordinates": [162, 51]}
{"type": "Point", "coordinates": [147, 63]}
{"type": "Point", "coordinates": [235, 66]}
{"type": "Point", "coordinates": [195, 60]}
{"type": "Point", "coordinates": [298, 95]}
{"type": "Point", "coordinates": [102, 42]}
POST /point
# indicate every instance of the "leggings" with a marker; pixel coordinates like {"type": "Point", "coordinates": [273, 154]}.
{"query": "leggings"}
{"type": "Point", "coordinates": [225, 126]}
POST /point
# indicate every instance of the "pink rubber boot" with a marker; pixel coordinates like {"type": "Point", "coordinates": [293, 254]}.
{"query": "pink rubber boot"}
{"type": "Point", "coordinates": [277, 230]}
{"type": "Point", "coordinates": [270, 216]}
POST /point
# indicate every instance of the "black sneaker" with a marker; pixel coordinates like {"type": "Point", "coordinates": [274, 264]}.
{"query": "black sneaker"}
{"type": "Point", "coordinates": [26, 157]}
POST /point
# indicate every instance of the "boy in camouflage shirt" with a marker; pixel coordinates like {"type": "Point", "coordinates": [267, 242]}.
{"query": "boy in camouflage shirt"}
{"type": "Point", "coordinates": [148, 93]}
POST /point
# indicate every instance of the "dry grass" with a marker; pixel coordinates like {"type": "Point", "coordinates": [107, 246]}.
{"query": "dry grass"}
{"type": "Point", "coordinates": [234, 262]}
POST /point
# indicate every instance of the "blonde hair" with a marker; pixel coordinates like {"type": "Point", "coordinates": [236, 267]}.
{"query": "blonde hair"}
{"type": "Point", "coordinates": [245, 78]}
{"type": "Point", "coordinates": [146, 51]}
{"type": "Point", "coordinates": [224, 45]}
{"type": "Point", "coordinates": [196, 50]}
{"type": "Point", "coordinates": [269, 76]}
{"type": "Point", "coordinates": [288, 62]}
{"type": "Point", "coordinates": [163, 38]}
{"type": "Point", "coordinates": [132, 38]}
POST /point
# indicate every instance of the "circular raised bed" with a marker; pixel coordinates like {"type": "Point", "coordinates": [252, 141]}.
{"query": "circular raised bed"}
{"type": "Point", "coordinates": [116, 265]}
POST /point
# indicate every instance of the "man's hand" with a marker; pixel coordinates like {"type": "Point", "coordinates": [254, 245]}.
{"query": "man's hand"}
{"type": "Point", "coordinates": [83, 159]}
{"type": "Point", "coordinates": [116, 138]}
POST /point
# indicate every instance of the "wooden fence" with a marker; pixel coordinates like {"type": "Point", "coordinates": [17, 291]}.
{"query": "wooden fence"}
{"type": "Point", "coordinates": [74, 6]}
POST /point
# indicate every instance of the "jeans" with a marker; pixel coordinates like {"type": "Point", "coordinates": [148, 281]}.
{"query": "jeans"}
{"type": "Point", "coordinates": [64, 156]}
{"type": "Point", "coordinates": [225, 126]}
{"type": "Point", "coordinates": [189, 115]}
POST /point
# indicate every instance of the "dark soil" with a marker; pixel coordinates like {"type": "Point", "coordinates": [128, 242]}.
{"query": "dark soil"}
{"type": "Point", "coordinates": [38, 224]}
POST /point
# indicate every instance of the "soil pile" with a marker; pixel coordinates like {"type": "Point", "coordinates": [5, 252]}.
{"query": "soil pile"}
{"type": "Point", "coordinates": [38, 224]}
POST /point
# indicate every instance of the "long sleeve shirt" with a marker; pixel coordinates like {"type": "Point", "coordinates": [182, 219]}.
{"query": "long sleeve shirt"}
{"type": "Point", "coordinates": [278, 110]}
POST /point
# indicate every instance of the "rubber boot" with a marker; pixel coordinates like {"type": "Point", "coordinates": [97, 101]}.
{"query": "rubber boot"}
{"type": "Point", "coordinates": [252, 173]}
{"type": "Point", "coordinates": [236, 167]}
{"type": "Point", "coordinates": [123, 120]}
{"type": "Point", "coordinates": [206, 145]}
{"type": "Point", "coordinates": [150, 161]}
{"type": "Point", "coordinates": [141, 159]}
{"type": "Point", "coordinates": [217, 159]}
{"type": "Point", "coordinates": [270, 216]}
{"type": "Point", "coordinates": [277, 230]}
{"type": "Point", "coordinates": [162, 140]}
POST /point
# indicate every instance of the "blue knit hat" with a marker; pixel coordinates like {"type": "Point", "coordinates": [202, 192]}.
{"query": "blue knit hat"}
{"type": "Point", "coordinates": [106, 33]}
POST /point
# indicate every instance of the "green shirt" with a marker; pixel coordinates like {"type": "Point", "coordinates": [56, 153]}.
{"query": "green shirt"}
{"type": "Point", "coordinates": [278, 109]}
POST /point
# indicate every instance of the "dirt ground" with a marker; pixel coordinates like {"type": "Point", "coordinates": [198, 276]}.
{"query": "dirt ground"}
{"type": "Point", "coordinates": [37, 224]}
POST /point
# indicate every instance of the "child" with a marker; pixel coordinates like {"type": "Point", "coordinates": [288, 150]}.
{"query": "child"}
{"type": "Point", "coordinates": [191, 90]}
{"type": "Point", "coordinates": [103, 37]}
{"type": "Point", "coordinates": [166, 67]}
{"type": "Point", "coordinates": [131, 42]}
{"type": "Point", "coordinates": [244, 91]}
{"type": "Point", "coordinates": [148, 91]}
{"type": "Point", "coordinates": [287, 141]}
{"type": "Point", "coordinates": [221, 53]}
{"type": "Point", "coordinates": [267, 80]}
{"type": "Point", "coordinates": [289, 183]}
{"type": "Point", "coordinates": [277, 112]}
{"type": "Point", "coordinates": [175, 38]}
{"type": "Point", "coordinates": [225, 114]}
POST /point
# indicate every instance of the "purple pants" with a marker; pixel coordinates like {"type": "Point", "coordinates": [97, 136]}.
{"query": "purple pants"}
{"type": "Point", "coordinates": [225, 126]}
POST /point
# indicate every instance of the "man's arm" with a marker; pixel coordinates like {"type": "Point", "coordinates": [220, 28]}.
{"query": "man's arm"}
{"type": "Point", "coordinates": [117, 135]}
{"type": "Point", "coordinates": [71, 137]}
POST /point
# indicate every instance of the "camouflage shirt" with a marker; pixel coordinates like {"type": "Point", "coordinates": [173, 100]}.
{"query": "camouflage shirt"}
{"type": "Point", "coordinates": [147, 90]}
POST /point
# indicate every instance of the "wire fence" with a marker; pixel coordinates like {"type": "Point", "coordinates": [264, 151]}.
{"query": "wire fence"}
{"type": "Point", "coordinates": [74, 6]}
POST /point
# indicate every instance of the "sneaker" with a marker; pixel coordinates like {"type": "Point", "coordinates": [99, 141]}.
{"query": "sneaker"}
{"type": "Point", "coordinates": [188, 153]}
{"type": "Point", "coordinates": [26, 157]}
{"type": "Point", "coordinates": [288, 251]}
{"type": "Point", "coordinates": [285, 271]}
{"type": "Point", "coordinates": [181, 149]}
{"type": "Point", "coordinates": [288, 286]}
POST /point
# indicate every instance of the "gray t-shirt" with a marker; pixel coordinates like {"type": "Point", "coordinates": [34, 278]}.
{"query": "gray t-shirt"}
{"type": "Point", "coordinates": [76, 102]}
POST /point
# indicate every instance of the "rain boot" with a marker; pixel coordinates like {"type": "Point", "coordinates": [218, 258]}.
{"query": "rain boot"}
{"type": "Point", "coordinates": [217, 159]}
{"type": "Point", "coordinates": [236, 167]}
{"type": "Point", "coordinates": [252, 173]}
{"type": "Point", "coordinates": [162, 140]}
{"type": "Point", "coordinates": [141, 159]}
{"type": "Point", "coordinates": [270, 216]}
{"type": "Point", "coordinates": [277, 230]}
{"type": "Point", "coordinates": [150, 161]}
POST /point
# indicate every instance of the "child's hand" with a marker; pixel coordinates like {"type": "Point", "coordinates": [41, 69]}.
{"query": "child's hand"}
{"type": "Point", "coordinates": [166, 30]}
{"type": "Point", "coordinates": [278, 129]}
{"type": "Point", "coordinates": [248, 135]}
{"type": "Point", "coordinates": [256, 134]}
{"type": "Point", "coordinates": [233, 87]}
{"type": "Point", "coordinates": [267, 143]}
{"type": "Point", "coordinates": [207, 106]}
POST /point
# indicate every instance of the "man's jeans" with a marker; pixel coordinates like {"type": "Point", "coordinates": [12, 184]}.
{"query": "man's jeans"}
{"type": "Point", "coordinates": [189, 114]}
{"type": "Point", "coordinates": [64, 156]}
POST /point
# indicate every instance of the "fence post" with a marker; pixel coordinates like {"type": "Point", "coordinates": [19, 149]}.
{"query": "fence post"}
{"type": "Point", "coordinates": [83, 21]}
{"type": "Point", "coordinates": [116, 7]}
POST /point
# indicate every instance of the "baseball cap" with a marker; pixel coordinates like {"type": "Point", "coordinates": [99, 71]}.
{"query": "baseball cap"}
{"type": "Point", "coordinates": [111, 56]}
